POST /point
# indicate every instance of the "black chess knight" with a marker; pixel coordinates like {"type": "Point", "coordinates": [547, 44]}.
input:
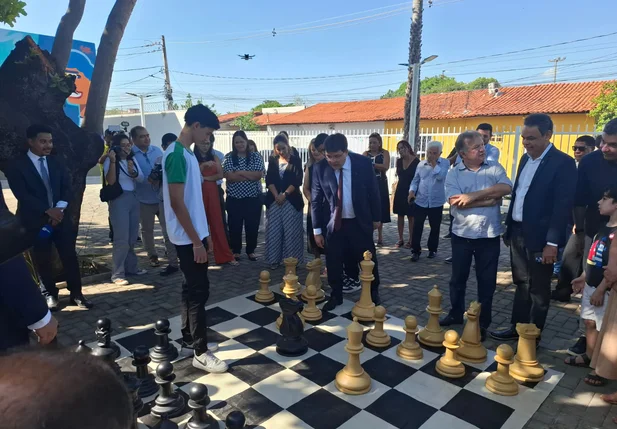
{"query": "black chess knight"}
{"type": "Point", "coordinates": [292, 342]}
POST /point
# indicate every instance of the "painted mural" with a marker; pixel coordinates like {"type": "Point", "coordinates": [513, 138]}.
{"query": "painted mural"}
{"type": "Point", "coordinates": [81, 64]}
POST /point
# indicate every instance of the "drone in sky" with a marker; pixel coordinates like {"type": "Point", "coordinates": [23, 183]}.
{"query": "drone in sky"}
{"type": "Point", "coordinates": [247, 57]}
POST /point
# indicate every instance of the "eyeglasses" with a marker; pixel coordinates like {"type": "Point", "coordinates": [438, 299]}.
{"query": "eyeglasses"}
{"type": "Point", "coordinates": [579, 148]}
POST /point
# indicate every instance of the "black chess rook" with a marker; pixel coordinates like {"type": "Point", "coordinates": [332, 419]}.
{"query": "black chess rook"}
{"type": "Point", "coordinates": [164, 351]}
{"type": "Point", "coordinates": [198, 403]}
{"type": "Point", "coordinates": [148, 386]}
{"type": "Point", "coordinates": [235, 420]}
{"type": "Point", "coordinates": [167, 403]}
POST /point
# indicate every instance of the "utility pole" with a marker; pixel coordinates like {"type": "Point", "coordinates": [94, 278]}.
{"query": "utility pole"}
{"type": "Point", "coordinates": [168, 92]}
{"type": "Point", "coordinates": [415, 53]}
{"type": "Point", "coordinates": [556, 61]}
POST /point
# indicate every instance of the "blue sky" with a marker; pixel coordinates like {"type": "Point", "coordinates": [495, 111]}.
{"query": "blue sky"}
{"type": "Point", "coordinates": [453, 29]}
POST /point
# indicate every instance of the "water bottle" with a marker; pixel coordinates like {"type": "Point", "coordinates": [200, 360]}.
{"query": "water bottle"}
{"type": "Point", "coordinates": [45, 232]}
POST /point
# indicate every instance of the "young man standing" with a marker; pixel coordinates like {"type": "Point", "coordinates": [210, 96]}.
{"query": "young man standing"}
{"type": "Point", "coordinates": [187, 227]}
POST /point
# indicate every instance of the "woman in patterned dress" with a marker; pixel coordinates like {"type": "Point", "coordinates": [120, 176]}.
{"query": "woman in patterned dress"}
{"type": "Point", "coordinates": [381, 164]}
{"type": "Point", "coordinates": [243, 171]}
{"type": "Point", "coordinates": [284, 203]}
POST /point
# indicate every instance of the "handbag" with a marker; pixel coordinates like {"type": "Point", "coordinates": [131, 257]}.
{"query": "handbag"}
{"type": "Point", "coordinates": [111, 192]}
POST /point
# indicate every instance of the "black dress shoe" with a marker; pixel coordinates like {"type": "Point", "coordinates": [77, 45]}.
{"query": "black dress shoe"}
{"type": "Point", "coordinates": [415, 257]}
{"type": "Point", "coordinates": [560, 296]}
{"type": "Point", "coordinates": [81, 301]}
{"type": "Point", "coordinates": [432, 255]}
{"type": "Point", "coordinates": [376, 299]}
{"type": "Point", "coordinates": [448, 260]}
{"type": "Point", "coordinates": [168, 270]}
{"type": "Point", "coordinates": [450, 320]}
{"type": "Point", "coordinates": [52, 303]}
{"type": "Point", "coordinates": [509, 334]}
{"type": "Point", "coordinates": [332, 303]}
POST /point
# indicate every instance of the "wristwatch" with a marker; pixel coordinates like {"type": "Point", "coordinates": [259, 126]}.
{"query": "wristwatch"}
{"type": "Point", "coordinates": [286, 193]}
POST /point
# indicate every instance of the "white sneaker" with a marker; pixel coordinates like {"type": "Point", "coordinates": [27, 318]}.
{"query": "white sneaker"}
{"type": "Point", "coordinates": [208, 362]}
{"type": "Point", "coordinates": [121, 282]}
{"type": "Point", "coordinates": [141, 272]}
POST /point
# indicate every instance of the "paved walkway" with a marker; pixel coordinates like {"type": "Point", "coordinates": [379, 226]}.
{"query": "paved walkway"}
{"type": "Point", "coordinates": [404, 288]}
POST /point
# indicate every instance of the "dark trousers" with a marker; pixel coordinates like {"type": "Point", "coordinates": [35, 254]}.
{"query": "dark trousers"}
{"type": "Point", "coordinates": [224, 214]}
{"type": "Point", "coordinates": [532, 280]}
{"type": "Point", "coordinates": [64, 239]}
{"type": "Point", "coordinates": [485, 252]}
{"type": "Point", "coordinates": [195, 293]}
{"type": "Point", "coordinates": [434, 215]}
{"type": "Point", "coordinates": [346, 247]}
{"type": "Point", "coordinates": [243, 212]}
{"type": "Point", "coordinates": [571, 264]}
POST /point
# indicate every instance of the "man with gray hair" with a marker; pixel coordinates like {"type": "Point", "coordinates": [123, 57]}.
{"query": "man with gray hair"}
{"type": "Point", "coordinates": [427, 189]}
{"type": "Point", "coordinates": [474, 188]}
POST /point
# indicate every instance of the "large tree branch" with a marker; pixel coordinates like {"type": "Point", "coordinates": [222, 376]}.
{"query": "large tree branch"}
{"type": "Point", "coordinates": [104, 66]}
{"type": "Point", "coordinates": [63, 41]}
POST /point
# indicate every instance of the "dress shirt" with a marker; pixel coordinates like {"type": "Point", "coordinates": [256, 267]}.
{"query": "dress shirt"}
{"type": "Point", "coordinates": [476, 222]}
{"type": "Point", "coordinates": [126, 183]}
{"type": "Point", "coordinates": [347, 212]}
{"type": "Point", "coordinates": [37, 164]}
{"type": "Point", "coordinates": [145, 191]}
{"type": "Point", "coordinates": [221, 158]}
{"type": "Point", "coordinates": [492, 154]}
{"type": "Point", "coordinates": [41, 323]}
{"type": "Point", "coordinates": [429, 183]}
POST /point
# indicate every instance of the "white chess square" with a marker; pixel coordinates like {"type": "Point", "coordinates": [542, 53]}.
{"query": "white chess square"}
{"type": "Point", "coordinates": [337, 326]}
{"type": "Point", "coordinates": [235, 327]}
{"type": "Point", "coordinates": [220, 386]}
{"type": "Point", "coordinates": [284, 420]}
{"type": "Point", "coordinates": [360, 401]}
{"type": "Point", "coordinates": [239, 305]}
{"type": "Point", "coordinates": [441, 420]}
{"type": "Point", "coordinates": [490, 358]}
{"type": "Point", "coordinates": [231, 351]}
{"type": "Point", "coordinates": [337, 352]}
{"type": "Point", "coordinates": [427, 356]}
{"type": "Point", "coordinates": [345, 307]}
{"type": "Point", "coordinates": [286, 387]}
{"type": "Point", "coordinates": [366, 420]}
{"type": "Point", "coordinates": [286, 361]}
{"type": "Point", "coordinates": [395, 327]}
{"type": "Point", "coordinates": [428, 389]}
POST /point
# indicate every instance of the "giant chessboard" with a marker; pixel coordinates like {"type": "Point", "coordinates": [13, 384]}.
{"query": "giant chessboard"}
{"type": "Point", "coordinates": [277, 392]}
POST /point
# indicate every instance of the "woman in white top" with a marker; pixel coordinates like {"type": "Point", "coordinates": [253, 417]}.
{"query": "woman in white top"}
{"type": "Point", "coordinates": [124, 210]}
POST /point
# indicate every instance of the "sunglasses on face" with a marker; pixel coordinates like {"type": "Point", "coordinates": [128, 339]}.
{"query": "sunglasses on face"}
{"type": "Point", "coordinates": [579, 148]}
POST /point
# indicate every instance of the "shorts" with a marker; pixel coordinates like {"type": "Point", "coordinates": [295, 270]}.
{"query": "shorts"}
{"type": "Point", "coordinates": [591, 312]}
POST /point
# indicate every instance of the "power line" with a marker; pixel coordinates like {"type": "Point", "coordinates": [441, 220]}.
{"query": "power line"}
{"type": "Point", "coordinates": [136, 69]}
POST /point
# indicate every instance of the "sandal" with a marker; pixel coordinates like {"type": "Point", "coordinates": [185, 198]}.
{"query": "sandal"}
{"type": "Point", "coordinates": [237, 256]}
{"type": "Point", "coordinates": [234, 263]}
{"type": "Point", "coordinates": [408, 245]}
{"type": "Point", "coordinates": [252, 257]}
{"type": "Point", "coordinates": [400, 243]}
{"type": "Point", "coordinates": [595, 380]}
{"type": "Point", "coordinates": [609, 399]}
{"type": "Point", "coordinates": [572, 361]}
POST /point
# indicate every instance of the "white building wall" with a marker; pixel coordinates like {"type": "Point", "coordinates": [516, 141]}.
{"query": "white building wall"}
{"type": "Point", "coordinates": [158, 124]}
{"type": "Point", "coordinates": [350, 127]}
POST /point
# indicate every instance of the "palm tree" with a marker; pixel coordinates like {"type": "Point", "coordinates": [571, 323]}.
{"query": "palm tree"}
{"type": "Point", "coordinates": [415, 53]}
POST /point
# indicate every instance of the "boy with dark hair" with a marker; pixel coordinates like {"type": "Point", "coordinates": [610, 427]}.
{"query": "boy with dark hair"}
{"type": "Point", "coordinates": [187, 228]}
{"type": "Point", "coordinates": [592, 284]}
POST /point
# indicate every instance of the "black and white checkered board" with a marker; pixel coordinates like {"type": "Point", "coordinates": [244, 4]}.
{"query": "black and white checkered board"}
{"type": "Point", "coordinates": [276, 392]}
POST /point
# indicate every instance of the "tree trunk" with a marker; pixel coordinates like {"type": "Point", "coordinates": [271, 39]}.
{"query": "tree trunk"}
{"type": "Point", "coordinates": [104, 66]}
{"type": "Point", "coordinates": [415, 56]}
{"type": "Point", "coordinates": [63, 42]}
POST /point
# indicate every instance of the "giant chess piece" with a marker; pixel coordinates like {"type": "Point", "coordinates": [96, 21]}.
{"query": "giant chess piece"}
{"type": "Point", "coordinates": [311, 312]}
{"type": "Point", "coordinates": [471, 349]}
{"type": "Point", "coordinates": [167, 403]}
{"type": "Point", "coordinates": [410, 349]}
{"type": "Point", "coordinates": [165, 423]}
{"type": "Point", "coordinates": [103, 334]}
{"type": "Point", "coordinates": [352, 379]}
{"type": "Point", "coordinates": [133, 384]}
{"type": "Point", "coordinates": [198, 403]}
{"type": "Point", "coordinates": [141, 360]}
{"type": "Point", "coordinates": [449, 365]}
{"type": "Point", "coordinates": [264, 295]}
{"type": "Point", "coordinates": [291, 291]}
{"type": "Point", "coordinates": [377, 337]}
{"type": "Point", "coordinates": [292, 341]}
{"type": "Point", "coordinates": [83, 348]}
{"type": "Point", "coordinates": [314, 278]}
{"type": "Point", "coordinates": [526, 367]}
{"type": "Point", "coordinates": [500, 382]}
{"type": "Point", "coordinates": [432, 335]}
{"type": "Point", "coordinates": [104, 349]}
{"type": "Point", "coordinates": [164, 351]}
{"type": "Point", "coordinates": [235, 420]}
{"type": "Point", "coordinates": [364, 308]}
{"type": "Point", "coordinates": [290, 268]}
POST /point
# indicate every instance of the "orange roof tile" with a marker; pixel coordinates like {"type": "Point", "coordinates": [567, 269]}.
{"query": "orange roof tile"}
{"type": "Point", "coordinates": [231, 116]}
{"type": "Point", "coordinates": [574, 97]}
{"type": "Point", "coordinates": [270, 118]}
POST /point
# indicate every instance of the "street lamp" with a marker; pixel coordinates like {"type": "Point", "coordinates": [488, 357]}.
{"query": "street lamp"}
{"type": "Point", "coordinates": [415, 90]}
{"type": "Point", "coordinates": [141, 106]}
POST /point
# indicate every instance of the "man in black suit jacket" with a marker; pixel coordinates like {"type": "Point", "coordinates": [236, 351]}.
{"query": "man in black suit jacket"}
{"type": "Point", "coordinates": [42, 186]}
{"type": "Point", "coordinates": [345, 187]}
{"type": "Point", "coordinates": [539, 213]}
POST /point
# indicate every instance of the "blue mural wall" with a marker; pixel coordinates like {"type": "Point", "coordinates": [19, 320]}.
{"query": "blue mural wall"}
{"type": "Point", "coordinates": [81, 64]}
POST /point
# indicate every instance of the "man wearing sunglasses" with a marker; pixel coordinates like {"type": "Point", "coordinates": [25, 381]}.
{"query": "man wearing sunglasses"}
{"type": "Point", "coordinates": [582, 146]}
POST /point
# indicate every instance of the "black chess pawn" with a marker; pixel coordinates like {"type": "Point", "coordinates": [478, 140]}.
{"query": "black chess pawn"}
{"type": "Point", "coordinates": [83, 348]}
{"type": "Point", "coordinates": [103, 347]}
{"type": "Point", "coordinates": [165, 423]}
{"type": "Point", "coordinates": [148, 386]}
{"type": "Point", "coordinates": [235, 420]}
{"type": "Point", "coordinates": [292, 341]}
{"type": "Point", "coordinates": [164, 351]}
{"type": "Point", "coordinates": [132, 384]}
{"type": "Point", "coordinates": [103, 335]}
{"type": "Point", "coordinates": [167, 402]}
{"type": "Point", "coordinates": [199, 401]}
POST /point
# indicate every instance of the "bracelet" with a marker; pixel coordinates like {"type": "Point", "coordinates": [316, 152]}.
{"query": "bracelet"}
{"type": "Point", "coordinates": [198, 247]}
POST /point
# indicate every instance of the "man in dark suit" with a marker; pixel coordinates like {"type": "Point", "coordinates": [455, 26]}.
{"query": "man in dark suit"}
{"type": "Point", "coordinates": [345, 187]}
{"type": "Point", "coordinates": [539, 213]}
{"type": "Point", "coordinates": [41, 184]}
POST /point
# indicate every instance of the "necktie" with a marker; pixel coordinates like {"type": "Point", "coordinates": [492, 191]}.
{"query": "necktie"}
{"type": "Point", "coordinates": [338, 215]}
{"type": "Point", "coordinates": [46, 181]}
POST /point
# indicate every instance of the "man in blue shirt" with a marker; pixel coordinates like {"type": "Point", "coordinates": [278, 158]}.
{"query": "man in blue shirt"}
{"type": "Point", "coordinates": [147, 194]}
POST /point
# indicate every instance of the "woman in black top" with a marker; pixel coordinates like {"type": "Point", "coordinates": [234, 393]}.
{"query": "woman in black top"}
{"type": "Point", "coordinates": [381, 164]}
{"type": "Point", "coordinates": [284, 233]}
{"type": "Point", "coordinates": [406, 166]}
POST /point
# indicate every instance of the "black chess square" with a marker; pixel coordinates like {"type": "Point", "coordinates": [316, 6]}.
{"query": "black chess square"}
{"type": "Point", "coordinates": [401, 410]}
{"type": "Point", "coordinates": [319, 369]}
{"type": "Point", "coordinates": [262, 317]}
{"type": "Point", "coordinates": [258, 339]}
{"type": "Point", "coordinates": [254, 368]}
{"type": "Point", "coordinates": [325, 316]}
{"type": "Point", "coordinates": [211, 335]}
{"type": "Point", "coordinates": [320, 340]}
{"type": "Point", "coordinates": [255, 406]}
{"type": "Point", "coordinates": [323, 410]}
{"type": "Point", "coordinates": [393, 343]}
{"type": "Point", "coordinates": [217, 315]}
{"type": "Point", "coordinates": [277, 297]}
{"type": "Point", "coordinates": [470, 373]}
{"type": "Point", "coordinates": [477, 410]}
{"type": "Point", "coordinates": [144, 338]}
{"type": "Point", "coordinates": [388, 371]}
{"type": "Point", "coordinates": [439, 350]}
